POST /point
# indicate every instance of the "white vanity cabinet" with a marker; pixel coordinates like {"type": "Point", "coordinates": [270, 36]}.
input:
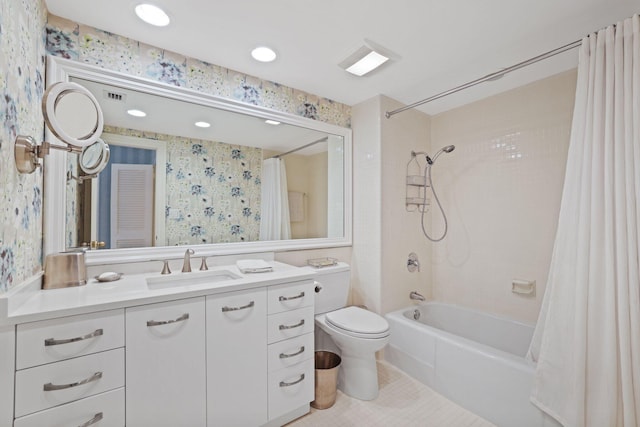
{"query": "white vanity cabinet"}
{"type": "Point", "coordinates": [7, 373]}
{"type": "Point", "coordinates": [166, 371]}
{"type": "Point", "coordinates": [290, 325]}
{"type": "Point", "coordinates": [237, 358]}
{"type": "Point", "coordinates": [70, 371]}
{"type": "Point", "coordinates": [241, 358]}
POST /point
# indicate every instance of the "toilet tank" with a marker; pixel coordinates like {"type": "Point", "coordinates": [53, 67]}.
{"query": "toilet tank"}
{"type": "Point", "coordinates": [332, 290]}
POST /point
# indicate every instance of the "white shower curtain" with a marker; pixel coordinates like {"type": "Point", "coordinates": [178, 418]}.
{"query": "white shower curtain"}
{"type": "Point", "coordinates": [274, 204]}
{"type": "Point", "coordinates": [587, 340]}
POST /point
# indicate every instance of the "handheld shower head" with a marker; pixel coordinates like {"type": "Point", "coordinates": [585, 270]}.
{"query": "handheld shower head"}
{"type": "Point", "coordinates": [447, 149]}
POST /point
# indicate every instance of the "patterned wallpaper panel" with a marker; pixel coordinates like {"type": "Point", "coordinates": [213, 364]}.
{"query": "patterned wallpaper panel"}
{"type": "Point", "coordinates": [213, 189]}
{"type": "Point", "coordinates": [111, 51]}
{"type": "Point", "coordinates": [22, 29]}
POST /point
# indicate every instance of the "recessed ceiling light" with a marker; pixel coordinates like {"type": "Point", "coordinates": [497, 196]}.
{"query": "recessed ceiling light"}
{"type": "Point", "coordinates": [202, 124]}
{"type": "Point", "coordinates": [136, 113]}
{"type": "Point", "coordinates": [263, 54]}
{"type": "Point", "coordinates": [152, 15]}
{"type": "Point", "coordinates": [272, 122]}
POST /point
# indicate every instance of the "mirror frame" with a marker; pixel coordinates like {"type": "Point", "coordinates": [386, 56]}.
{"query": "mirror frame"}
{"type": "Point", "coordinates": [62, 70]}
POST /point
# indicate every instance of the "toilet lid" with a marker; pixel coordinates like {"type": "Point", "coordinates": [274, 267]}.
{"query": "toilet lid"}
{"type": "Point", "coordinates": [358, 320]}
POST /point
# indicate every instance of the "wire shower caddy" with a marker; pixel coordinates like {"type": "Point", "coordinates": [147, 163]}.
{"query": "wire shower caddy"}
{"type": "Point", "coordinates": [416, 186]}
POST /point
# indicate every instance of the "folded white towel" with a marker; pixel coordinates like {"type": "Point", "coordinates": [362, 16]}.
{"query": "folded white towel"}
{"type": "Point", "coordinates": [253, 266]}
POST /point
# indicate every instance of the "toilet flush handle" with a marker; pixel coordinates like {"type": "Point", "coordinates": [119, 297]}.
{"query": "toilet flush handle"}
{"type": "Point", "coordinates": [318, 288]}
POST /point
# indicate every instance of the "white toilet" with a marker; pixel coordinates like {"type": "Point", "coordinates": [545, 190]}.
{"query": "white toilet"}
{"type": "Point", "coordinates": [358, 333]}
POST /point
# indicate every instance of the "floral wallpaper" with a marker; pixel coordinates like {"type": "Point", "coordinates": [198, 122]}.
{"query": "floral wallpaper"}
{"type": "Point", "coordinates": [219, 188]}
{"type": "Point", "coordinates": [22, 62]}
{"type": "Point", "coordinates": [90, 45]}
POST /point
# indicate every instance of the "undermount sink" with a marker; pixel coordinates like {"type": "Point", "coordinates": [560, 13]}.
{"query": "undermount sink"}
{"type": "Point", "coordinates": [186, 279]}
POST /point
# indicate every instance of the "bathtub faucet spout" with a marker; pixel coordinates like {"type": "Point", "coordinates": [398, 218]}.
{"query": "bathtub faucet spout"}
{"type": "Point", "coordinates": [416, 296]}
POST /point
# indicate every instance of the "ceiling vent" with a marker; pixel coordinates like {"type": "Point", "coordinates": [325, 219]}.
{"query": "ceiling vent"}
{"type": "Point", "coordinates": [115, 96]}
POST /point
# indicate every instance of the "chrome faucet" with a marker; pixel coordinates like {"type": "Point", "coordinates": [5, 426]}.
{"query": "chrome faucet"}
{"type": "Point", "coordinates": [186, 266]}
{"type": "Point", "coordinates": [412, 263]}
{"type": "Point", "coordinates": [416, 296]}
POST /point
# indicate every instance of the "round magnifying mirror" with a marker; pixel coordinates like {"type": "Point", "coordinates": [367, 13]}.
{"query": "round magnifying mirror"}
{"type": "Point", "coordinates": [73, 114]}
{"type": "Point", "coordinates": [94, 157]}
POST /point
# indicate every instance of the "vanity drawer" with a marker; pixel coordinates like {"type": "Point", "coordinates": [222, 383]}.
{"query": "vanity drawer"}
{"type": "Point", "coordinates": [289, 324]}
{"type": "Point", "coordinates": [290, 388]}
{"type": "Point", "coordinates": [290, 297]}
{"type": "Point", "coordinates": [290, 352]}
{"type": "Point", "coordinates": [49, 341]}
{"type": "Point", "coordinates": [105, 410]}
{"type": "Point", "coordinates": [67, 381]}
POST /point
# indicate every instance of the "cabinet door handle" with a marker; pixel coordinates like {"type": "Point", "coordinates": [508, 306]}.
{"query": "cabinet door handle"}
{"type": "Point", "coordinates": [97, 417]}
{"type": "Point", "coordinates": [284, 384]}
{"type": "Point", "coordinates": [167, 322]}
{"type": "Point", "coordinates": [226, 309]}
{"type": "Point", "coordinates": [54, 387]}
{"type": "Point", "coordinates": [300, 295]}
{"type": "Point", "coordinates": [297, 325]}
{"type": "Point", "coordinates": [53, 341]}
{"type": "Point", "coordinates": [286, 356]}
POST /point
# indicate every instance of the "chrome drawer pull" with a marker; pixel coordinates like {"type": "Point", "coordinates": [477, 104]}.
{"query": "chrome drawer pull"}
{"type": "Point", "coordinates": [300, 295]}
{"type": "Point", "coordinates": [52, 341]}
{"type": "Point", "coordinates": [285, 356]}
{"type": "Point", "coordinates": [167, 322]}
{"type": "Point", "coordinates": [283, 384]}
{"type": "Point", "coordinates": [297, 325]}
{"type": "Point", "coordinates": [97, 417]}
{"type": "Point", "coordinates": [54, 387]}
{"type": "Point", "coordinates": [226, 309]}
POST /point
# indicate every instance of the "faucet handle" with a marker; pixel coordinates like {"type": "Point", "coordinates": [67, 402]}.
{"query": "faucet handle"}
{"type": "Point", "coordinates": [186, 265]}
{"type": "Point", "coordinates": [412, 263]}
{"type": "Point", "coordinates": [165, 267]}
{"type": "Point", "coordinates": [203, 264]}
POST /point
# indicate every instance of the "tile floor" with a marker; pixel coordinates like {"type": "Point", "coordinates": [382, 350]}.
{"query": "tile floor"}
{"type": "Point", "coordinates": [403, 402]}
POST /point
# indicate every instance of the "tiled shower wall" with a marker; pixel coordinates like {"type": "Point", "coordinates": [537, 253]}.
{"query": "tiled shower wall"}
{"type": "Point", "coordinates": [26, 34]}
{"type": "Point", "coordinates": [501, 191]}
{"type": "Point", "coordinates": [22, 64]}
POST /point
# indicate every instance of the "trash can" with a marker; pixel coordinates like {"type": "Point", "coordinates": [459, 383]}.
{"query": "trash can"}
{"type": "Point", "coordinates": [326, 375]}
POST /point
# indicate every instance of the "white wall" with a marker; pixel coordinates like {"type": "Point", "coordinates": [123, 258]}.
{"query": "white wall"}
{"type": "Point", "coordinates": [366, 260]}
{"type": "Point", "coordinates": [401, 232]}
{"type": "Point", "coordinates": [384, 232]}
{"type": "Point", "coordinates": [501, 190]}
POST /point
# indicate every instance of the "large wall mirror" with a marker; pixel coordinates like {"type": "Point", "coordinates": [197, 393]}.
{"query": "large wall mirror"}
{"type": "Point", "coordinates": [191, 169]}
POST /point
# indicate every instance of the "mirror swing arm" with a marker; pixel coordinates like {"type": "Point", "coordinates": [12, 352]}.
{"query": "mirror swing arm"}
{"type": "Point", "coordinates": [28, 153]}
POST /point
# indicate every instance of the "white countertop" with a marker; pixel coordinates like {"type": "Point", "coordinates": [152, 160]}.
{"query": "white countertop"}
{"type": "Point", "coordinates": [131, 290]}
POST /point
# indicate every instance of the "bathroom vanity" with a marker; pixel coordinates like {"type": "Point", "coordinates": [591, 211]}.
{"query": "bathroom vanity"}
{"type": "Point", "coordinates": [210, 348]}
{"type": "Point", "coordinates": [216, 347]}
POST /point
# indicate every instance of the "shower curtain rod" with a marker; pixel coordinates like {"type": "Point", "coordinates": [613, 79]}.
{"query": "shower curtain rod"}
{"type": "Point", "coordinates": [493, 76]}
{"type": "Point", "coordinates": [277, 156]}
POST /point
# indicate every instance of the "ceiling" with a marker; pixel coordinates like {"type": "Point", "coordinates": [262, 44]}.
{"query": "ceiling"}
{"type": "Point", "coordinates": [441, 43]}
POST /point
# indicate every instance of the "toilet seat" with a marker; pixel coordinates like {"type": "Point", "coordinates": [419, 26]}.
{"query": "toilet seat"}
{"type": "Point", "coordinates": [358, 322]}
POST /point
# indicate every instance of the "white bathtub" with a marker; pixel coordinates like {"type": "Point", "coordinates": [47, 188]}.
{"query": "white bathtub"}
{"type": "Point", "coordinates": [473, 358]}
